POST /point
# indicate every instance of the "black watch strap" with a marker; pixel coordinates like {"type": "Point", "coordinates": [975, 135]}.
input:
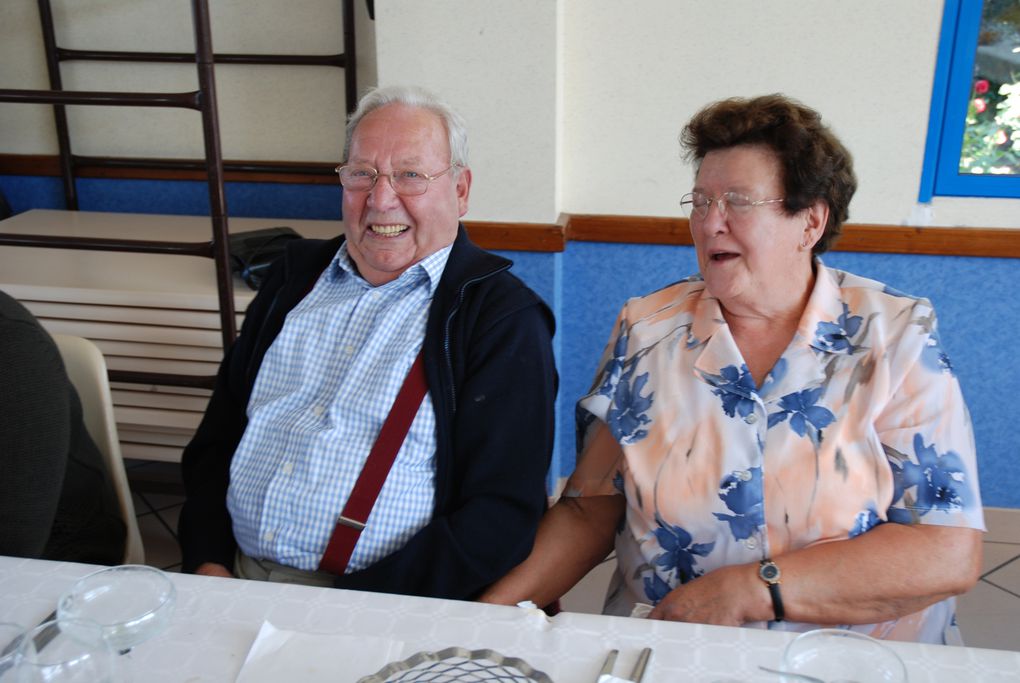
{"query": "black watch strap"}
{"type": "Point", "coordinates": [770, 574]}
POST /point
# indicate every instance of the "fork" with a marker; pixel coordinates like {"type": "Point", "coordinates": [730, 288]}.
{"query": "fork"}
{"type": "Point", "coordinates": [639, 668]}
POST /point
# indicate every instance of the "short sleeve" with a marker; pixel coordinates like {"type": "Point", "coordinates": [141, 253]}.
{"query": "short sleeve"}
{"type": "Point", "coordinates": [600, 456]}
{"type": "Point", "coordinates": [926, 432]}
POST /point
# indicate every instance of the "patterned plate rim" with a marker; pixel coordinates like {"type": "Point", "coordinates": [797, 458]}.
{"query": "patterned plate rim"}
{"type": "Point", "coordinates": [451, 652]}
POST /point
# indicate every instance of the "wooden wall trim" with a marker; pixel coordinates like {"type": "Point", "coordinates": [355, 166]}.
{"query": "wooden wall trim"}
{"type": "Point", "coordinates": [877, 239]}
{"type": "Point", "coordinates": [901, 239]}
{"type": "Point", "coordinates": [628, 229]}
{"type": "Point", "coordinates": [517, 236]}
{"type": "Point", "coordinates": [541, 237]}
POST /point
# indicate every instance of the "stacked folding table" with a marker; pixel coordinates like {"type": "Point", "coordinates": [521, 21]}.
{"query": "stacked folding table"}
{"type": "Point", "coordinates": [146, 312]}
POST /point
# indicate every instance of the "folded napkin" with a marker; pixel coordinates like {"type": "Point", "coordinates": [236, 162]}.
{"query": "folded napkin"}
{"type": "Point", "coordinates": [536, 617]}
{"type": "Point", "coordinates": [641, 610]}
{"type": "Point", "coordinates": [280, 655]}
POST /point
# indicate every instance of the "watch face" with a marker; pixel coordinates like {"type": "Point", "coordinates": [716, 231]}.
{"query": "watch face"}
{"type": "Point", "coordinates": [769, 572]}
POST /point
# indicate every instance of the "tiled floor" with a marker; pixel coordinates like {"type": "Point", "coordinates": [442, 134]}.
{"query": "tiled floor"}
{"type": "Point", "coordinates": [989, 614]}
{"type": "Point", "coordinates": [158, 495]}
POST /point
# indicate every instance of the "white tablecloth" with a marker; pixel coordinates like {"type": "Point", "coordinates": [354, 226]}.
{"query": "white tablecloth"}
{"type": "Point", "coordinates": [217, 620]}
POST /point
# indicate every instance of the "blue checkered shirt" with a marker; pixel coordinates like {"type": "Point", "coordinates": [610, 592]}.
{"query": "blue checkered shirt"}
{"type": "Point", "coordinates": [322, 393]}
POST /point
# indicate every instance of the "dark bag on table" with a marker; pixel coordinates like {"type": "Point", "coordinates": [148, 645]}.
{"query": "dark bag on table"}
{"type": "Point", "coordinates": [251, 252]}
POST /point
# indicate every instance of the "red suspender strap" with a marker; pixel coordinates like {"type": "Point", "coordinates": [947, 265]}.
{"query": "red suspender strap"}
{"type": "Point", "coordinates": [370, 482]}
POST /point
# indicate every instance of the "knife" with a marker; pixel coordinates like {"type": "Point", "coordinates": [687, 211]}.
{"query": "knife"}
{"type": "Point", "coordinates": [607, 667]}
{"type": "Point", "coordinates": [40, 641]}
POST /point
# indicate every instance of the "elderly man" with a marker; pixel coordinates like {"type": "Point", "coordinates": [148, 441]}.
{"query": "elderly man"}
{"type": "Point", "coordinates": [323, 375]}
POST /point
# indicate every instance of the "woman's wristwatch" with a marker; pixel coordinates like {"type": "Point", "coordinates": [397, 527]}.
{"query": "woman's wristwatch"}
{"type": "Point", "coordinates": [769, 572]}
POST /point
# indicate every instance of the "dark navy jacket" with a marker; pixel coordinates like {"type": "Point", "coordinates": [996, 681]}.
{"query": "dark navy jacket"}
{"type": "Point", "coordinates": [492, 379]}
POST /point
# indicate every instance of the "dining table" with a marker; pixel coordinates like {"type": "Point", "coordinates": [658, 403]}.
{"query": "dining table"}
{"type": "Point", "coordinates": [219, 623]}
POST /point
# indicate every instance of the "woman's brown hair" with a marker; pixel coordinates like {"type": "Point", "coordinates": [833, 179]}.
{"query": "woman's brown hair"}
{"type": "Point", "coordinates": [815, 163]}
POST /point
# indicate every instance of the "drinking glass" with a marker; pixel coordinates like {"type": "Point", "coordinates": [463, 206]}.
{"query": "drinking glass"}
{"type": "Point", "coordinates": [11, 636]}
{"type": "Point", "coordinates": [836, 655]}
{"type": "Point", "coordinates": [131, 602]}
{"type": "Point", "coordinates": [66, 651]}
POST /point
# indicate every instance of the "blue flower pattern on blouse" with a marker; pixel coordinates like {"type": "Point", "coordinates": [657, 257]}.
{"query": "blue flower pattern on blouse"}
{"type": "Point", "coordinates": [628, 414]}
{"type": "Point", "coordinates": [802, 410]}
{"type": "Point", "coordinates": [864, 521]}
{"type": "Point", "coordinates": [618, 482]}
{"type": "Point", "coordinates": [940, 481]}
{"type": "Point", "coordinates": [735, 387]}
{"type": "Point", "coordinates": [679, 558]}
{"type": "Point", "coordinates": [933, 357]}
{"type": "Point", "coordinates": [837, 336]}
{"type": "Point", "coordinates": [655, 588]}
{"type": "Point", "coordinates": [745, 497]}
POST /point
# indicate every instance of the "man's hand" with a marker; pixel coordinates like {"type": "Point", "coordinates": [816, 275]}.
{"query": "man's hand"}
{"type": "Point", "coordinates": [213, 569]}
{"type": "Point", "coordinates": [726, 597]}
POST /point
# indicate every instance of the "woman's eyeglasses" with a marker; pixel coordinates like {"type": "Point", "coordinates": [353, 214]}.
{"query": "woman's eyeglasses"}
{"type": "Point", "coordinates": [697, 204]}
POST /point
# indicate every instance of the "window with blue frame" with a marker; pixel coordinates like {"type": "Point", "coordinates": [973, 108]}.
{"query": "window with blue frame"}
{"type": "Point", "coordinates": [973, 146]}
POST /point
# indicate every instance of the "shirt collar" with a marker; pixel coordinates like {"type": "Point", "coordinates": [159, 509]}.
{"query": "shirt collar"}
{"type": "Point", "coordinates": [827, 324]}
{"type": "Point", "coordinates": [825, 307]}
{"type": "Point", "coordinates": [821, 329]}
{"type": "Point", "coordinates": [429, 269]}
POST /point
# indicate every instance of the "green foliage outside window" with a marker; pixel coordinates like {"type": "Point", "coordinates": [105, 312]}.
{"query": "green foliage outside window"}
{"type": "Point", "coordinates": [991, 138]}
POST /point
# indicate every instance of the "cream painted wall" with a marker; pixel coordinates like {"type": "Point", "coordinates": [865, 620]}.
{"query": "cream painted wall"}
{"type": "Point", "coordinates": [573, 105]}
{"type": "Point", "coordinates": [634, 73]}
{"type": "Point", "coordinates": [300, 115]}
{"type": "Point", "coordinates": [496, 62]}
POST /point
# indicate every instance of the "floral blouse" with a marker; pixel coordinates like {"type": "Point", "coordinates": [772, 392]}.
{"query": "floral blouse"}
{"type": "Point", "coordinates": [861, 422]}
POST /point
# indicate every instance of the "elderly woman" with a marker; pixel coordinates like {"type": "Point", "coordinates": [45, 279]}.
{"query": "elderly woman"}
{"type": "Point", "coordinates": [772, 442]}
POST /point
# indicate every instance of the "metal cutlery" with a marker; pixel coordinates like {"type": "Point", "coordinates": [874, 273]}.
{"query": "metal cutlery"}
{"type": "Point", "coordinates": [607, 666]}
{"type": "Point", "coordinates": [642, 663]}
{"type": "Point", "coordinates": [41, 640]}
{"type": "Point", "coordinates": [639, 667]}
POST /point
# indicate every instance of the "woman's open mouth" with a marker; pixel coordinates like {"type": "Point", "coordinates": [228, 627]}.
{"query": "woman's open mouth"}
{"type": "Point", "coordinates": [723, 256]}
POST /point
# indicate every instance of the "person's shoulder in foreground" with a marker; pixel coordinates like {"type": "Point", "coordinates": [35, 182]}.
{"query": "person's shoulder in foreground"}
{"type": "Point", "coordinates": [56, 496]}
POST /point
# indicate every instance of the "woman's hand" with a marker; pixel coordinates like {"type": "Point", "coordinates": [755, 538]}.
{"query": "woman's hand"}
{"type": "Point", "coordinates": [728, 596]}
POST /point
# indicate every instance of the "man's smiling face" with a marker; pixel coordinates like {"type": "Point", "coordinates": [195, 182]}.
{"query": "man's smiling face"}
{"type": "Point", "coordinates": [388, 233]}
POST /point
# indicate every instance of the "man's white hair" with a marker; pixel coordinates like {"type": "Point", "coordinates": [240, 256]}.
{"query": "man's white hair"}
{"type": "Point", "coordinates": [413, 96]}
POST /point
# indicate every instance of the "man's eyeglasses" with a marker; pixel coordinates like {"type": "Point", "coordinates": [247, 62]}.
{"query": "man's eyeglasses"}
{"type": "Point", "coordinates": [697, 204]}
{"type": "Point", "coordinates": [406, 182]}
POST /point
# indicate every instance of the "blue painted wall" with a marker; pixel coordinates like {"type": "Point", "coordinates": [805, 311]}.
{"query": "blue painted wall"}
{"type": "Point", "coordinates": [588, 283]}
{"type": "Point", "coordinates": [182, 198]}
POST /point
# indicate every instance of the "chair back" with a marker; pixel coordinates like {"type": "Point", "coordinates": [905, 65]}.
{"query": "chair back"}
{"type": "Point", "coordinates": [86, 369]}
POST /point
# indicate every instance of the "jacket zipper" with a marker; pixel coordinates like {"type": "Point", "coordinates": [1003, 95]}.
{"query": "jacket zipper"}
{"type": "Point", "coordinates": [446, 330]}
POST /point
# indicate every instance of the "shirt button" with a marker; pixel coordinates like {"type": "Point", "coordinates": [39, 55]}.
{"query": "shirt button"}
{"type": "Point", "coordinates": [349, 350]}
{"type": "Point", "coordinates": [751, 419]}
{"type": "Point", "coordinates": [288, 467]}
{"type": "Point", "coordinates": [268, 536]}
{"type": "Point", "coordinates": [751, 543]}
{"type": "Point", "coordinates": [318, 410]}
